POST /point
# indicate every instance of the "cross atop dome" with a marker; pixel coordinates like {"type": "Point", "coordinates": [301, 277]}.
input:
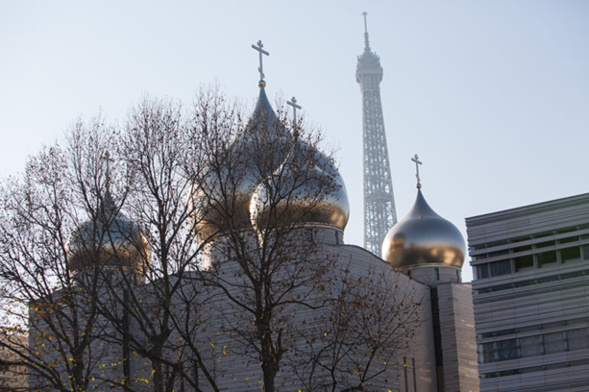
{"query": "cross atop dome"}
{"type": "Point", "coordinates": [417, 163]}
{"type": "Point", "coordinates": [258, 47]}
{"type": "Point", "coordinates": [293, 103]}
{"type": "Point", "coordinates": [106, 158]}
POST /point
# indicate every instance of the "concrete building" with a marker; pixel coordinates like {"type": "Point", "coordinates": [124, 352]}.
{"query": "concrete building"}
{"type": "Point", "coordinates": [531, 286]}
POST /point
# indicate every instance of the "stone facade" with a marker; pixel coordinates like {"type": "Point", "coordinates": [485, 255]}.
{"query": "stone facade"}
{"type": "Point", "coordinates": [413, 366]}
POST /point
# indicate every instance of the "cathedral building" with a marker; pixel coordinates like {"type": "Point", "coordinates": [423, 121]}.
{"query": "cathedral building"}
{"type": "Point", "coordinates": [403, 322]}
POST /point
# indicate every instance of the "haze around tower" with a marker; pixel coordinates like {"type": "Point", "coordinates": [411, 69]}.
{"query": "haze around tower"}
{"type": "Point", "coordinates": [493, 96]}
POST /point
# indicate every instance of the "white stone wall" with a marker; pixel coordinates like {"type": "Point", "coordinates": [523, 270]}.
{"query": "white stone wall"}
{"type": "Point", "coordinates": [458, 337]}
{"type": "Point", "coordinates": [222, 328]}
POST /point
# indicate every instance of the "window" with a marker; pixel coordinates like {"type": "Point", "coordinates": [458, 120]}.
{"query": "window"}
{"type": "Point", "coordinates": [522, 248]}
{"type": "Point", "coordinates": [567, 240]}
{"type": "Point", "coordinates": [500, 351]}
{"type": "Point", "coordinates": [507, 349]}
{"type": "Point", "coordinates": [585, 249]}
{"type": "Point", "coordinates": [483, 270]}
{"type": "Point", "coordinates": [546, 259]}
{"type": "Point", "coordinates": [502, 267]}
{"type": "Point", "coordinates": [554, 342]}
{"type": "Point", "coordinates": [524, 263]}
{"type": "Point", "coordinates": [567, 230]}
{"type": "Point", "coordinates": [498, 253]}
{"type": "Point", "coordinates": [531, 346]}
{"type": "Point", "coordinates": [578, 339]}
{"type": "Point", "coordinates": [569, 254]}
{"type": "Point", "coordinates": [548, 279]}
{"type": "Point", "coordinates": [437, 273]}
{"type": "Point", "coordinates": [545, 244]}
{"type": "Point", "coordinates": [498, 243]}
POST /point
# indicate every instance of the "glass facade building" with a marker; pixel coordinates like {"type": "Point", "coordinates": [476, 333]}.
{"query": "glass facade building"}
{"type": "Point", "coordinates": [530, 293]}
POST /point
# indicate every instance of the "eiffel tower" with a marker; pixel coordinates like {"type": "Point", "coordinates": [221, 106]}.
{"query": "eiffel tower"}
{"type": "Point", "coordinates": [379, 202]}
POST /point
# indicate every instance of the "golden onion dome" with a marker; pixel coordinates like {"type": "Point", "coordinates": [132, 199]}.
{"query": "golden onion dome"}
{"type": "Point", "coordinates": [307, 189]}
{"type": "Point", "coordinates": [423, 238]}
{"type": "Point", "coordinates": [112, 241]}
{"type": "Point", "coordinates": [222, 200]}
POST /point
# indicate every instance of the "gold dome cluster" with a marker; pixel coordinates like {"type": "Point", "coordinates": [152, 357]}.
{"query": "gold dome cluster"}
{"type": "Point", "coordinates": [264, 152]}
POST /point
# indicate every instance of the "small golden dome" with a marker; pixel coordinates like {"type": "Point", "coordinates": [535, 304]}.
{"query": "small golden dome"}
{"type": "Point", "coordinates": [306, 189]}
{"type": "Point", "coordinates": [423, 238]}
{"type": "Point", "coordinates": [112, 241]}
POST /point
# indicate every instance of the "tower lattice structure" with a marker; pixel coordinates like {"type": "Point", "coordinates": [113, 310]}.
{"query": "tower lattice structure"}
{"type": "Point", "coordinates": [379, 202]}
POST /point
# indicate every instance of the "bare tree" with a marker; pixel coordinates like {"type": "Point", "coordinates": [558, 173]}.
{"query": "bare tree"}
{"type": "Point", "coordinates": [45, 304]}
{"type": "Point", "coordinates": [354, 345]}
{"type": "Point", "coordinates": [195, 259]}
{"type": "Point", "coordinates": [159, 153]}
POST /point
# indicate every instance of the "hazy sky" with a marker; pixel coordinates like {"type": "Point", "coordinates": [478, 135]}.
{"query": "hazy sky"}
{"type": "Point", "coordinates": [492, 95]}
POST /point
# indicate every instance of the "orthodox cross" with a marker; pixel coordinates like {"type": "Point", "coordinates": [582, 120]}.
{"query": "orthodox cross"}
{"type": "Point", "coordinates": [259, 47]}
{"type": "Point", "coordinates": [108, 160]}
{"type": "Point", "coordinates": [293, 103]}
{"type": "Point", "coordinates": [417, 163]}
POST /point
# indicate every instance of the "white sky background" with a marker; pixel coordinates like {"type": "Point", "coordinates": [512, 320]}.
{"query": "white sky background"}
{"type": "Point", "coordinates": [493, 96]}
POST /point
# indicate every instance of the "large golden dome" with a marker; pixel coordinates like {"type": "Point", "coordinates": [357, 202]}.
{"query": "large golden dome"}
{"type": "Point", "coordinates": [306, 189]}
{"type": "Point", "coordinates": [222, 201]}
{"type": "Point", "coordinates": [111, 241]}
{"type": "Point", "coordinates": [423, 238]}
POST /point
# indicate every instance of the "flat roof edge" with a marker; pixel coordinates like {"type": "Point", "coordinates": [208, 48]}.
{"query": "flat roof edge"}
{"type": "Point", "coordinates": [550, 205]}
